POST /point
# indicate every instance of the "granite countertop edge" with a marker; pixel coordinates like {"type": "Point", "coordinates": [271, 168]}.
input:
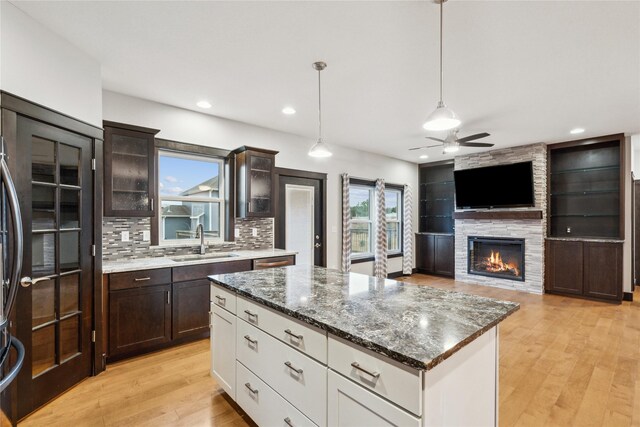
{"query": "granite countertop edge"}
{"type": "Point", "coordinates": [424, 365]}
{"type": "Point", "coordinates": [122, 266]}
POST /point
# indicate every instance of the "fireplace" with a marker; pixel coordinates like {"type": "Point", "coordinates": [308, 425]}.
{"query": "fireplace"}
{"type": "Point", "coordinates": [496, 257]}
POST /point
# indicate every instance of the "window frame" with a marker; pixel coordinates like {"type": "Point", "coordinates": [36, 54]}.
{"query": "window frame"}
{"type": "Point", "coordinates": [159, 223]}
{"type": "Point", "coordinates": [399, 220]}
{"type": "Point", "coordinates": [364, 256]}
{"type": "Point", "coordinates": [371, 186]}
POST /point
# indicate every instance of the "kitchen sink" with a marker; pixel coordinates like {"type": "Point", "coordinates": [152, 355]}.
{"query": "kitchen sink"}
{"type": "Point", "coordinates": [195, 257]}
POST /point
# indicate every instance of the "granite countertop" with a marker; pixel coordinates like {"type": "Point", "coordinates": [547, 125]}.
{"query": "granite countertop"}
{"type": "Point", "coordinates": [170, 261]}
{"type": "Point", "coordinates": [419, 326]}
{"type": "Point", "coordinates": [585, 239]}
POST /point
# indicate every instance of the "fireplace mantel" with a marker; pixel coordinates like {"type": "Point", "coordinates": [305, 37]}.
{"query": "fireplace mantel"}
{"type": "Point", "coordinates": [489, 214]}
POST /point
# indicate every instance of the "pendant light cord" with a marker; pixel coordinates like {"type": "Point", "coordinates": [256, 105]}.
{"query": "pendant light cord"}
{"type": "Point", "coordinates": [319, 109]}
{"type": "Point", "coordinates": [441, 73]}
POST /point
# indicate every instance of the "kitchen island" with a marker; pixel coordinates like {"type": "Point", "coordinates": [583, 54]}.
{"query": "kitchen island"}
{"type": "Point", "coordinates": [305, 345]}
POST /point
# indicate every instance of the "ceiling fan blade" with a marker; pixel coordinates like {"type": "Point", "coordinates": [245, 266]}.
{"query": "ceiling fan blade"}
{"type": "Point", "coordinates": [434, 139]}
{"type": "Point", "coordinates": [475, 144]}
{"type": "Point", "coordinates": [425, 146]}
{"type": "Point", "coordinates": [472, 137]}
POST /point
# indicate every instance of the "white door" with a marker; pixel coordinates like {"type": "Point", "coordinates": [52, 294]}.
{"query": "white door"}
{"type": "Point", "coordinates": [300, 222]}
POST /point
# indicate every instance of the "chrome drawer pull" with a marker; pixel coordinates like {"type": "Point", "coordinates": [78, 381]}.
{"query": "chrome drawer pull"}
{"type": "Point", "coordinates": [221, 300]}
{"type": "Point", "coordinates": [290, 366]}
{"type": "Point", "coordinates": [141, 279]}
{"type": "Point", "coordinates": [288, 422]}
{"type": "Point", "coordinates": [252, 390]}
{"type": "Point", "coordinates": [288, 332]}
{"type": "Point", "coordinates": [248, 338]}
{"type": "Point", "coordinates": [360, 368]}
{"type": "Point", "coordinates": [250, 314]}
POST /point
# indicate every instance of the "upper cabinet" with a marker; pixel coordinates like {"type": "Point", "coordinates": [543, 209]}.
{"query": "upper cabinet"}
{"type": "Point", "coordinates": [586, 195]}
{"type": "Point", "coordinates": [254, 182]}
{"type": "Point", "coordinates": [436, 198]}
{"type": "Point", "coordinates": [129, 170]}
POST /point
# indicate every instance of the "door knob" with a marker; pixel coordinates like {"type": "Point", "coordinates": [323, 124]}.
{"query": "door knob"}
{"type": "Point", "coordinates": [28, 281]}
{"type": "Point", "coordinates": [317, 245]}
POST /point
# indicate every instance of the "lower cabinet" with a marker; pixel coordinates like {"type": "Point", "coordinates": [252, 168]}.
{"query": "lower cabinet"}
{"type": "Point", "coordinates": [190, 308]}
{"type": "Point", "coordinates": [352, 405]}
{"type": "Point", "coordinates": [139, 318]}
{"type": "Point", "coordinates": [584, 268]}
{"type": "Point", "coordinates": [435, 254]}
{"type": "Point", "coordinates": [223, 349]}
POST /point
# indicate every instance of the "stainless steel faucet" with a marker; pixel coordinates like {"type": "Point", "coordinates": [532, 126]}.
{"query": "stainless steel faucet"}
{"type": "Point", "coordinates": [200, 234]}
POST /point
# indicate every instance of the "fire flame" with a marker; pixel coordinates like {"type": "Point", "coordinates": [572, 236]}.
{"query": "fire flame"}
{"type": "Point", "coordinates": [494, 264]}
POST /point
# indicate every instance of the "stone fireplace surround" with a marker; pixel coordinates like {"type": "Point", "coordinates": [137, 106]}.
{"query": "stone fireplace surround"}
{"type": "Point", "coordinates": [533, 231]}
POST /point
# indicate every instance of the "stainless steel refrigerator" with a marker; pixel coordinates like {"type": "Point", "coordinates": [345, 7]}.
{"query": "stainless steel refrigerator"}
{"type": "Point", "coordinates": [11, 244]}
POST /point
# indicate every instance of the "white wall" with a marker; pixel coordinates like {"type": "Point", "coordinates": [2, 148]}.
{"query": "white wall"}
{"type": "Point", "coordinates": [196, 128]}
{"type": "Point", "coordinates": [38, 65]}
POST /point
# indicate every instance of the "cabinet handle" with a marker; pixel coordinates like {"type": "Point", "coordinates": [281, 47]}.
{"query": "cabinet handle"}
{"type": "Point", "coordinates": [290, 366]}
{"type": "Point", "coordinates": [221, 300]}
{"type": "Point", "coordinates": [151, 204]}
{"type": "Point", "coordinates": [360, 368]}
{"type": "Point", "coordinates": [168, 297]}
{"type": "Point", "coordinates": [272, 264]}
{"type": "Point", "coordinates": [251, 315]}
{"type": "Point", "coordinates": [248, 338]}
{"type": "Point", "coordinates": [288, 332]}
{"type": "Point", "coordinates": [288, 422]}
{"type": "Point", "coordinates": [141, 279]}
{"type": "Point", "coordinates": [252, 390]}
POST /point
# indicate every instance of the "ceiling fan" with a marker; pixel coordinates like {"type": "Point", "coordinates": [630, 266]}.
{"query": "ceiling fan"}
{"type": "Point", "coordinates": [452, 143]}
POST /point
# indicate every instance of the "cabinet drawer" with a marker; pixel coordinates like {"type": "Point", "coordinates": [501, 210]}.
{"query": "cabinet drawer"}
{"type": "Point", "coordinates": [201, 271]}
{"type": "Point", "coordinates": [281, 261]}
{"type": "Point", "coordinates": [138, 279]}
{"type": "Point", "coordinates": [223, 298]}
{"type": "Point", "coordinates": [297, 334]}
{"type": "Point", "coordinates": [388, 378]}
{"type": "Point", "coordinates": [352, 405]}
{"type": "Point", "coordinates": [263, 404]}
{"type": "Point", "coordinates": [298, 378]}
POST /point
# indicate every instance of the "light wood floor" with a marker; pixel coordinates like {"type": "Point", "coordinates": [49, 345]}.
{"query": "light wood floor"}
{"type": "Point", "coordinates": [563, 361]}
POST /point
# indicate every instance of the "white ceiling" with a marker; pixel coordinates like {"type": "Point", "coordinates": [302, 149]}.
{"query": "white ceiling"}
{"type": "Point", "coordinates": [524, 71]}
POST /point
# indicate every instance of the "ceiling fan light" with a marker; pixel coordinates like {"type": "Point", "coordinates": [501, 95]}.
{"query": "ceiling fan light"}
{"type": "Point", "coordinates": [451, 148]}
{"type": "Point", "coordinates": [443, 118]}
{"type": "Point", "coordinates": [320, 149]}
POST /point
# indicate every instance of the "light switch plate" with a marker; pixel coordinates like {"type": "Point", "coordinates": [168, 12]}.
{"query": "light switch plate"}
{"type": "Point", "coordinates": [124, 236]}
{"type": "Point", "coordinates": [254, 232]}
{"type": "Point", "coordinates": [146, 235]}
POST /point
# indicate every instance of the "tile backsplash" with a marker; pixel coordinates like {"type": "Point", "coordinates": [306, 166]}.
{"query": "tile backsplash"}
{"type": "Point", "coordinates": [113, 248]}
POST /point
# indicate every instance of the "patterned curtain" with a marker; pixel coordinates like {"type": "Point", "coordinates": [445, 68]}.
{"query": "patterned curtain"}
{"type": "Point", "coordinates": [380, 264]}
{"type": "Point", "coordinates": [407, 235]}
{"type": "Point", "coordinates": [346, 225]}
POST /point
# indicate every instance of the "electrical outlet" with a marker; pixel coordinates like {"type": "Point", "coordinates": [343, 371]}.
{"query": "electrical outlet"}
{"type": "Point", "coordinates": [568, 230]}
{"type": "Point", "coordinates": [146, 235]}
{"type": "Point", "coordinates": [236, 233]}
{"type": "Point", "coordinates": [124, 236]}
{"type": "Point", "coordinates": [254, 232]}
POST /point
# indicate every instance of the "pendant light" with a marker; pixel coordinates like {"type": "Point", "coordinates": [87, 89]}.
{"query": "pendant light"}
{"type": "Point", "coordinates": [320, 148]}
{"type": "Point", "coordinates": [443, 118]}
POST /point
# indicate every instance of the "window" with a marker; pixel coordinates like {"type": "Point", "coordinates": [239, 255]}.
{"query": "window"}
{"type": "Point", "coordinates": [393, 206]}
{"type": "Point", "coordinates": [190, 189]}
{"type": "Point", "coordinates": [362, 209]}
{"type": "Point", "coordinates": [361, 201]}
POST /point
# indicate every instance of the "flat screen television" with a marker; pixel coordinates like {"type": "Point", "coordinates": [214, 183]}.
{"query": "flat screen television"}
{"type": "Point", "coordinates": [503, 186]}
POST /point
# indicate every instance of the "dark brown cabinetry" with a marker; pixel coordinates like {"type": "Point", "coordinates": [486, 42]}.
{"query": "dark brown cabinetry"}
{"type": "Point", "coordinates": [435, 243]}
{"type": "Point", "coordinates": [585, 268]}
{"type": "Point", "coordinates": [255, 176]}
{"type": "Point", "coordinates": [152, 309]}
{"type": "Point", "coordinates": [435, 254]}
{"type": "Point", "coordinates": [129, 170]}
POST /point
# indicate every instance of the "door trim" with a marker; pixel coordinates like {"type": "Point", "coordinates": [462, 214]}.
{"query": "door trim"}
{"type": "Point", "coordinates": [295, 173]}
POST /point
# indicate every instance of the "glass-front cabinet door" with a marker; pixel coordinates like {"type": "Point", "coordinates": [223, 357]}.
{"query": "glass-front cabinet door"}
{"type": "Point", "coordinates": [255, 169]}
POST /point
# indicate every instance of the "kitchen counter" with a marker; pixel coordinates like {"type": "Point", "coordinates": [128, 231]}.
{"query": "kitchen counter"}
{"type": "Point", "coordinates": [418, 326]}
{"type": "Point", "coordinates": [192, 259]}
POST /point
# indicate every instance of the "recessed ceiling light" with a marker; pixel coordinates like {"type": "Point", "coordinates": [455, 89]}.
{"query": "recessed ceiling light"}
{"type": "Point", "coordinates": [424, 156]}
{"type": "Point", "coordinates": [288, 111]}
{"type": "Point", "coordinates": [576, 131]}
{"type": "Point", "coordinates": [204, 104]}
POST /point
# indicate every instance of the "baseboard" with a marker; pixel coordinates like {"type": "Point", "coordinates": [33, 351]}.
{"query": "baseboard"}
{"type": "Point", "coordinates": [395, 275]}
{"type": "Point", "coordinates": [627, 296]}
